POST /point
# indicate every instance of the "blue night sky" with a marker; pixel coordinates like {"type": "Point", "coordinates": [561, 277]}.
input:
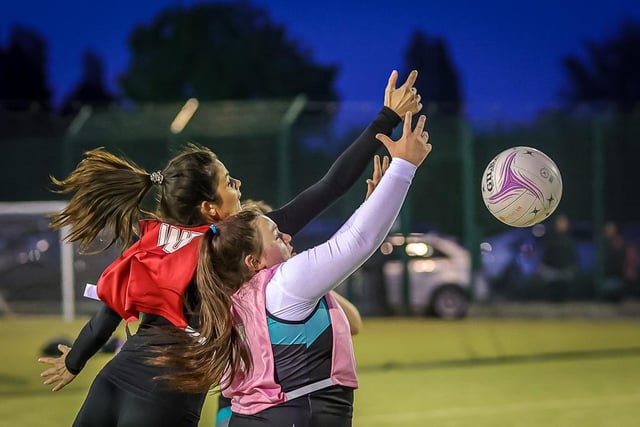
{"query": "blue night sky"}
{"type": "Point", "coordinates": [508, 53]}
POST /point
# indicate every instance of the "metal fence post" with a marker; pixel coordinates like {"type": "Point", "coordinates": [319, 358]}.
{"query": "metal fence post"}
{"type": "Point", "coordinates": [598, 202]}
{"type": "Point", "coordinates": [405, 224]}
{"type": "Point", "coordinates": [469, 188]}
{"type": "Point", "coordinates": [284, 148]}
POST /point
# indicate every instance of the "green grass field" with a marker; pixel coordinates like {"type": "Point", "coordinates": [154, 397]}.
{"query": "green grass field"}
{"type": "Point", "coordinates": [413, 372]}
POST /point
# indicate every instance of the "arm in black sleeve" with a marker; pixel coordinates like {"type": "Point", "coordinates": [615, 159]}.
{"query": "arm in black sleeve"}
{"type": "Point", "coordinates": [91, 338]}
{"type": "Point", "coordinates": [293, 216]}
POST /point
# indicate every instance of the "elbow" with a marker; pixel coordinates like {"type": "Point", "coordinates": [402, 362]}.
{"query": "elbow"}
{"type": "Point", "coordinates": [366, 243]}
{"type": "Point", "coordinates": [355, 324]}
{"type": "Point", "coordinates": [355, 329]}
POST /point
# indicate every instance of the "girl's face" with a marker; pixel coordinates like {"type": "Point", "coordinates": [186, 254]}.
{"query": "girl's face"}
{"type": "Point", "coordinates": [276, 246]}
{"type": "Point", "coordinates": [229, 191]}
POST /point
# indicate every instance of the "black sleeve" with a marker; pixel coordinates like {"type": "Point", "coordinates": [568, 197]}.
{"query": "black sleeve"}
{"type": "Point", "coordinates": [92, 337]}
{"type": "Point", "coordinates": [297, 213]}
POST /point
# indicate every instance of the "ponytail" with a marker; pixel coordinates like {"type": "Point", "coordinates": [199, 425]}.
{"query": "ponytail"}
{"type": "Point", "coordinates": [219, 353]}
{"type": "Point", "coordinates": [107, 193]}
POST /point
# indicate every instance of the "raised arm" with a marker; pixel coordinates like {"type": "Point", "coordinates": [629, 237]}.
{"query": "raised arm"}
{"type": "Point", "coordinates": [302, 280]}
{"type": "Point", "coordinates": [346, 170]}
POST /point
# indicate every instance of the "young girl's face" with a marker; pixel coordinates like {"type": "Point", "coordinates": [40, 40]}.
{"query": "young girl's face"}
{"type": "Point", "coordinates": [229, 191]}
{"type": "Point", "coordinates": [276, 246]}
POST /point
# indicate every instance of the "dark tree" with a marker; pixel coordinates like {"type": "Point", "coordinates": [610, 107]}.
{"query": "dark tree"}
{"type": "Point", "coordinates": [440, 85]}
{"type": "Point", "coordinates": [91, 89]}
{"type": "Point", "coordinates": [221, 51]}
{"type": "Point", "coordinates": [609, 74]}
{"type": "Point", "coordinates": [23, 77]}
{"type": "Point", "coordinates": [606, 78]}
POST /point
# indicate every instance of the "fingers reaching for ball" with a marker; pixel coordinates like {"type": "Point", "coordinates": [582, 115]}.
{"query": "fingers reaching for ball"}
{"type": "Point", "coordinates": [413, 146]}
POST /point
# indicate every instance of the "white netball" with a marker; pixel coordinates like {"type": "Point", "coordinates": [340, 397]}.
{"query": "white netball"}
{"type": "Point", "coordinates": [521, 186]}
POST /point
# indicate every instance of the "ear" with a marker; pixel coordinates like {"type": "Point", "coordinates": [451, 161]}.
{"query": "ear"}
{"type": "Point", "coordinates": [252, 262]}
{"type": "Point", "coordinates": [210, 211]}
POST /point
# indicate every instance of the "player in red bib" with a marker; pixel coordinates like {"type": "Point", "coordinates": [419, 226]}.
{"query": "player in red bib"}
{"type": "Point", "coordinates": [153, 277]}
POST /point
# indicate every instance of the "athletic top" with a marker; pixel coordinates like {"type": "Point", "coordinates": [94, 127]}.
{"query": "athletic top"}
{"type": "Point", "coordinates": [302, 343]}
{"type": "Point", "coordinates": [152, 276]}
{"type": "Point", "coordinates": [291, 218]}
{"type": "Point", "coordinates": [289, 359]}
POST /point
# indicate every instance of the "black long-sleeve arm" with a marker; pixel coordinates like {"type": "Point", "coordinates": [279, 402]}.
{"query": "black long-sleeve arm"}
{"type": "Point", "coordinates": [344, 172]}
{"type": "Point", "coordinates": [95, 333]}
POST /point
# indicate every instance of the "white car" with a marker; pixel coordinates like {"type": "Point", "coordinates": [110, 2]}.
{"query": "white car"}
{"type": "Point", "coordinates": [439, 275]}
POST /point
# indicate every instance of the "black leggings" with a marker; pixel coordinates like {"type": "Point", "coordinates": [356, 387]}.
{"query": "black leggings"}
{"type": "Point", "coordinates": [332, 407]}
{"type": "Point", "coordinates": [107, 405]}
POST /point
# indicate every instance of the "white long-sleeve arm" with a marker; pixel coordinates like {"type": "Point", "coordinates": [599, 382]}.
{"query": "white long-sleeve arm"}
{"type": "Point", "coordinates": [301, 281]}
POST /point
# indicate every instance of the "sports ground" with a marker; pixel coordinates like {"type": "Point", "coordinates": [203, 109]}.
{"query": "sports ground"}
{"type": "Point", "coordinates": [413, 372]}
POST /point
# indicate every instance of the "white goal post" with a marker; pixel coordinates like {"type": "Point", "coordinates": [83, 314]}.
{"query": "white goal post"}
{"type": "Point", "coordinates": [66, 249]}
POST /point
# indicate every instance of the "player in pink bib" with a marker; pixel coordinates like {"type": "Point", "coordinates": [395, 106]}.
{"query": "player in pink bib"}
{"type": "Point", "coordinates": [295, 364]}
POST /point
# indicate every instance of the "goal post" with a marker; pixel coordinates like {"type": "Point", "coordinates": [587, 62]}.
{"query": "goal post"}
{"type": "Point", "coordinates": [67, 273]}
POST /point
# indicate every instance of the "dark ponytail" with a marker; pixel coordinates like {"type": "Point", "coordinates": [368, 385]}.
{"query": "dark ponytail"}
{"type": "Point", "coordinates": [107, 193]}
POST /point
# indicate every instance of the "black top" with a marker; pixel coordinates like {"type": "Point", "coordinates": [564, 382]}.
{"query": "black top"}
{"type": "Point", "coordinates": [291, 218]}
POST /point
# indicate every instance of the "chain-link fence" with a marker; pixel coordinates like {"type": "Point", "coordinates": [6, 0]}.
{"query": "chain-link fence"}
{"type": "Point", "coordinates": [278, 148]}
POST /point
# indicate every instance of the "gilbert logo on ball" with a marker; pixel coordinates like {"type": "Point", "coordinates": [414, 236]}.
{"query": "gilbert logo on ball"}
{"type": "Point", "coordinates": [521, 186]}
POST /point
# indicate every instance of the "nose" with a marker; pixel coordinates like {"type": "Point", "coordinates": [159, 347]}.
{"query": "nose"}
{"type": "Point", "coordinates": [286, 237]}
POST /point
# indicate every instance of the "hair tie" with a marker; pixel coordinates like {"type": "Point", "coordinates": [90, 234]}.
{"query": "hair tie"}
{"type": "Point", "coordinates": [156, 177]}
{"type": "Point", "coordinates": [214, 229]}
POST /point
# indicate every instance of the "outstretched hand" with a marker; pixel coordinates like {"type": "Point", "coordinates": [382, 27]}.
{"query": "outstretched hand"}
{"type": "Point", "coordinates": [58, 373]}
{"type": "Point", "coordinates": [379, 168]}
{"type": "Point", "coordinates": [413, 146]}
{"type": "Point", "coordinates": [405, 98]}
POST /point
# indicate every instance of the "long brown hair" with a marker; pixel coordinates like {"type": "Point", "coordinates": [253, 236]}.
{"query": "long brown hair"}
{"type": "Point", "coordinates": [108, 192]}
{"type": "Point", "coordinates": [221, 353]}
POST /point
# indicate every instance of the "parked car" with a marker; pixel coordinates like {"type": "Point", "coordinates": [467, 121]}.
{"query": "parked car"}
{"type": "Point", "coordinates": [439, 279]}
